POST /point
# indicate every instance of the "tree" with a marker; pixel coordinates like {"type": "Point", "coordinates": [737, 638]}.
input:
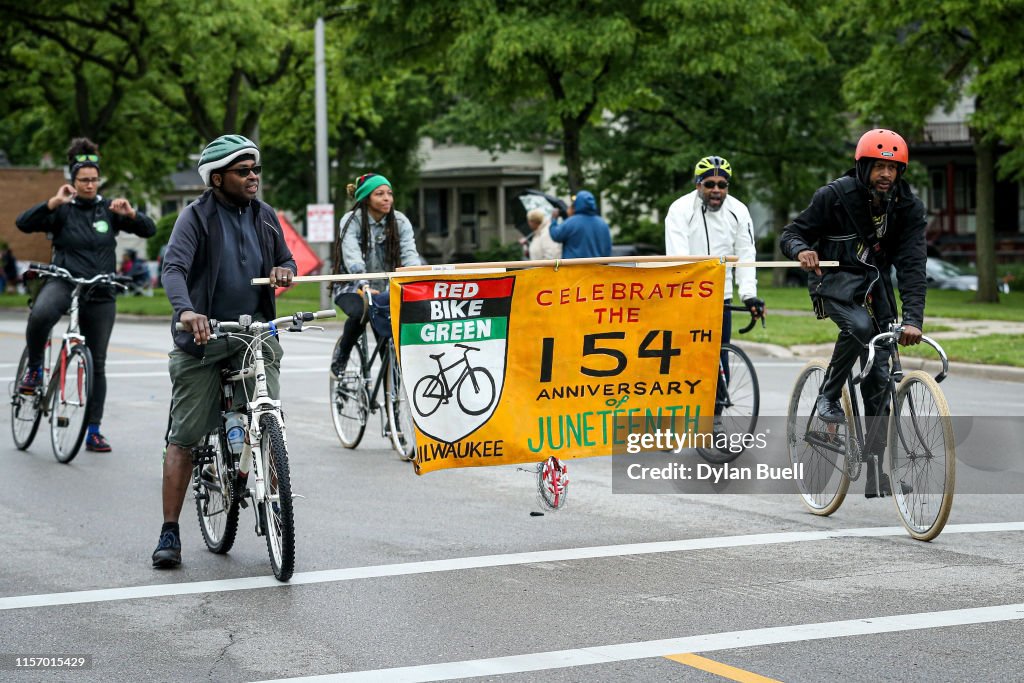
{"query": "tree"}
{"type": "Point", "coordinates": [929, 54]}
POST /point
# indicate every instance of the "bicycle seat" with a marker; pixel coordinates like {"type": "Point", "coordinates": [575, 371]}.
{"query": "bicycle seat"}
{"type": "Point", "coordinates": [436, 356]}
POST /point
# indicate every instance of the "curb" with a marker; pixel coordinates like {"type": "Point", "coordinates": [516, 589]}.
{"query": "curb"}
{"type": "Point", "coordinates": [1001, 373]}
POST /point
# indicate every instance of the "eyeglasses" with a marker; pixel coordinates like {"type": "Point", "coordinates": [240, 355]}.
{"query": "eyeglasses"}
{"type": "Point", "coordinates": [244, 172]}
{"type": "Point", "coordinates": [87, 181]}
{"type": "Point", "coordinates": [711, 184]}
{"type": "Point", "coordinates": [87, 157]}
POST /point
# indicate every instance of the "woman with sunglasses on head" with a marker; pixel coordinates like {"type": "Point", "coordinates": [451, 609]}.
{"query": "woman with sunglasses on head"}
{"type": "Point", "coordinates": [83, 226]}
{"type": "Point", "coordinates": [710, 221]}
{"type": "Point", "coordinates": [373, 238]}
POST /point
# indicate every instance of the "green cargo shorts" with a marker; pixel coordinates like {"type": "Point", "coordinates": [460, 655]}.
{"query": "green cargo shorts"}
{"type": "Point", "coordinates": [195, 386]}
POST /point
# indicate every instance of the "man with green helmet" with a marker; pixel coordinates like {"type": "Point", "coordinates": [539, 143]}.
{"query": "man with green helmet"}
{"type": "Point", "coordinates": [220, 242]}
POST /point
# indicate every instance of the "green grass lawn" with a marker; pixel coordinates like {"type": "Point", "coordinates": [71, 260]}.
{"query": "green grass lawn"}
{"type": "Point", "coordinates": [992, 349]}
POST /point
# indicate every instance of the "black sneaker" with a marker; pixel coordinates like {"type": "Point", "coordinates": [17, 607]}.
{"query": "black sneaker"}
{"type": "Point", "coordinates": [96, 443]}
{"type": "Point", "coordinates": [338, 365]}
{"type": "Point", "coordinates": [31, 380]}
{"type": "Point", "coordinates": [884, 487]}
{"type": "Point", "coordinates": [168, 551]}
{"type": "Point", "coordinates": [829, 410]}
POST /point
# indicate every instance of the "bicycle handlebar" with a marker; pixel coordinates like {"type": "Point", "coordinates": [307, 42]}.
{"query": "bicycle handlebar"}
{"type": "Point", "coordinates": [753, 318]}
{"type": "Point", "coordinates": [51, 270]}
{"type": "Point", "coordinates": [889, 339]}
{"type": "Point", "coordinates": [256, 326]}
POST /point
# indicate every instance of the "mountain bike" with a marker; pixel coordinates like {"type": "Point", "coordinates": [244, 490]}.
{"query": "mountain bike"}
{"type": "Point", "coordinates": [64, 393]}
{"type": "Point", "coordinates": [224, 480]}
{"type": "Point", "coordinates": [918, 437]}
{"type": "Point", "coordinates": [356, 392]}
{"type": "Point", "coordinates": [737, 398]}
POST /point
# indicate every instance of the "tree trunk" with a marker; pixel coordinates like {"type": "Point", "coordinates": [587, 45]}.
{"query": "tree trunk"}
{"type": "Point", "coordinates": [571, 151]}
{"type": "Point", "coordinates": [985, 232]}
{"type": "Point", "coordinates": [780, 217]}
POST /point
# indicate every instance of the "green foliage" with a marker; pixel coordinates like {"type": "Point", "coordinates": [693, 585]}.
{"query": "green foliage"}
{"type": "Point", "coordinates": [500, 252]}
{"type": "Point", "coordinates": [164, 226]}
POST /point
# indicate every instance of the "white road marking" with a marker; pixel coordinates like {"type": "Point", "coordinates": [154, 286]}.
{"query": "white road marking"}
{"type": "Point", "coordinates": [606, 654]}
{"type": "Point", "coordinates": [460, 563]}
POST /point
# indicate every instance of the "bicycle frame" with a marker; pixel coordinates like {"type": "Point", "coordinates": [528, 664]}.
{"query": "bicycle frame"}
{"type": "Point", "coordinates": [449, 388]}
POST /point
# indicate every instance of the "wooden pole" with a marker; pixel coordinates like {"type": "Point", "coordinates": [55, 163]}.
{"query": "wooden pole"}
{"type": "Point", "coordinates": [491, 267]}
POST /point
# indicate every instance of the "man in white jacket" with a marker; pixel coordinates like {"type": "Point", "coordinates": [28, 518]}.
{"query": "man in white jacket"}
{"type": "Point", "coordinates": [709, 221]}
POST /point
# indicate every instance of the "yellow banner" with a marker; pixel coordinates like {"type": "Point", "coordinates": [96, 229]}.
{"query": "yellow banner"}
{"type": "Point", "coordinates": [516, 367]}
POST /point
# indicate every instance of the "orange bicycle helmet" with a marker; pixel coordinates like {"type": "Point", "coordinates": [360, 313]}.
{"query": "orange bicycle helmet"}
{"type": "Point", "coordinates": [883, 144]}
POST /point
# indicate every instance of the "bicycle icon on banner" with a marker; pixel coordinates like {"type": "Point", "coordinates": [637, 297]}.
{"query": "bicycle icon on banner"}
{"type": "Point", "coordinates": [474, 397]}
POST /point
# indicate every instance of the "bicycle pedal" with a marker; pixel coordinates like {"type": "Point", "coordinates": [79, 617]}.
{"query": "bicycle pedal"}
{"type": "Point", "coordinates": [63, 422]}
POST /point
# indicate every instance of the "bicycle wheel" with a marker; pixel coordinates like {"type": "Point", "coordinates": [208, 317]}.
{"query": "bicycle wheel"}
{"type": "Point", "coordinates": [922, 456]}
{"type": "Point", "coordinates": [401, 427]}
{"type": "Point", "coordinates": [737, 403]}
{"type": "Point", "coordinates": [819, 450]}
{"type": "Point", "coordinates": [553, 483]}
{"type": "Point", "coordinates": [427, 395]}
{"type": "Point", "coordinates": [212, 485]}
{"type": "Point", "coordinates": [275, 509]}
{"type": "Point", "coordinates": [350, 405]}
{"type": "Point", "coordinates": [476, 391]}
{"type": "Point", "coordinates": [69, 393]}
{"type": "Point", "coordinates": [25, 412]}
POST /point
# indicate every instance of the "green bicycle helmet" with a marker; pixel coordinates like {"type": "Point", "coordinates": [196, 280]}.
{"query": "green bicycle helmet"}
{"type": "Point", "coordinates": [712, 165]}
{"type": "Point", "coordinates": [222, 151]}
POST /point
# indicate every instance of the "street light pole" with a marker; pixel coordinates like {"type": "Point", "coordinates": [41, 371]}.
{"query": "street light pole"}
{"type": "Point", "coordinates": [322, 184]}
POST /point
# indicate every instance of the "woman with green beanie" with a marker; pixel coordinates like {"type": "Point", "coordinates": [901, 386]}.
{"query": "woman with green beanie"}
{"type": "Point", "coordinates": [373, 238]}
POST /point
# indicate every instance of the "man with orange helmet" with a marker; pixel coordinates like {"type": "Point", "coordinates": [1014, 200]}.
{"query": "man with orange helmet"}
{"type": "Point", "coordinates": [869, 220]}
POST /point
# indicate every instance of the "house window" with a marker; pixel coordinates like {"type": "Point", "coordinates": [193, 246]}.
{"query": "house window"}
{"type": "Point", "coordinates": [966, 189]}
{"type": "Point", "coordinates": [937, 190]}
{"type": "Point", "coordinates": [435, 212]}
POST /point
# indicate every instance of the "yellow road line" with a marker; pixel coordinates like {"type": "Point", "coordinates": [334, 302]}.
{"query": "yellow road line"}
{"type": "Point", "coordinates": [719, 669]}
{"type": "Point", "coordinates": [137, 352]}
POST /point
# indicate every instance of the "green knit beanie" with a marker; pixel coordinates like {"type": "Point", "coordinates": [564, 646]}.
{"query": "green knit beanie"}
{"type": "Point", "coordinates": [368, 183]}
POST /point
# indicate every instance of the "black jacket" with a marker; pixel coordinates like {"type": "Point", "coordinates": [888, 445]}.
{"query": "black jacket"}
{"type": "Point", "coordinates": [84, 234]}
{"type": "Point", "coordinates": [193, 255]}
{"type": "Point", "coordinates": [838, 225]}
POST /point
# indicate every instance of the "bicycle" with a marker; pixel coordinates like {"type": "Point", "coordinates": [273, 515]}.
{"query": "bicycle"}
{"type": "Point", "coordinates": [433, 390]}
{"type": "Point", "coordinates": [737, 398]}
{"type": "Point", "coordinates": [65, 390]}
{"type": "Point", "coordinates": [221, 477]}
{"type": "Point", "coordinates": [919, 438]}
{"type": "Point", "coordinates": [356, 392]}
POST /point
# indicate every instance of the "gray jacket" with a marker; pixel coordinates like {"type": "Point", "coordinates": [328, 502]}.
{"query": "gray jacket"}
{"type": "Point", "coordinates": [376, 260]}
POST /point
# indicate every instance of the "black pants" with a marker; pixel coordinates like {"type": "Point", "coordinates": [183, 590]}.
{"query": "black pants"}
{"type": "Point", "coordinates": [356, 323]}
{"type": "Point", "coordinates": [96, 321]}
{"type": "Point", "coordinates": [856, 328]}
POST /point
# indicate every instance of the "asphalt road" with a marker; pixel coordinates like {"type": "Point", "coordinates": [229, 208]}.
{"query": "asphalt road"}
{"type": "Point", "coordinates": [448, 575]}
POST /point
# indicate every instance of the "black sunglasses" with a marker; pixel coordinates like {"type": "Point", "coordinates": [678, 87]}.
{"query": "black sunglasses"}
{"type": "Point", "coordinates": [711, 184]}
{"type": "Point", "coordinates": [244, 172]}
{"type": "Point", "coordinates": [87, 157]}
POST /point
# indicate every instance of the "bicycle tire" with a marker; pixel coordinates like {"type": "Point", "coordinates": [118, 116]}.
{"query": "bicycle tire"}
{"type": "Point", "coordinates": [821, 449]}
{"type": "Point", "coordinates": [485, 388]}
{"type": "Point", "coordinates": [742, 405]}
{"type": "Point", "coordinates": [401, 428]}
{"type": "Point", "coordinates": [350, 404]}
{"type": "Point", "coordinates": [25, 409]}
{"type": "Point", "coordinates": [216, 501]}
{"type": "Point", "coordinates": [922, 453]}
{"type": "Point", "coordinates": [278, 522]}
{"type": "Point", "coordinates": [69, 395]}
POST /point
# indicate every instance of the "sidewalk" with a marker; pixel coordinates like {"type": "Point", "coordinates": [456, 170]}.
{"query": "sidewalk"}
{"type": "Point", "coordinates": [962, 329]}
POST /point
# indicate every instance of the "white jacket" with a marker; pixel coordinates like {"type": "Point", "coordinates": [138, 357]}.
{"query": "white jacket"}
{"type": "Point", "coordinates": [691, 231]}
{"type": "Point", "coordinates": [542, 247]}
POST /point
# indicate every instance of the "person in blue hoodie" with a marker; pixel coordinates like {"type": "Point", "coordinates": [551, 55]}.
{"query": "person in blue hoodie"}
{"type": "Point", "coordinates": [584, 233]}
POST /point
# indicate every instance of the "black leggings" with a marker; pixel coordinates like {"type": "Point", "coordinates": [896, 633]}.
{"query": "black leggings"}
{"type": "Point", "coordinates": [96, 320]}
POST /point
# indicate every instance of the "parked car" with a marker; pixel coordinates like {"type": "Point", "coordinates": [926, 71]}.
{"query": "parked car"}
{"type": "Point", "coordinates": [945, 275]}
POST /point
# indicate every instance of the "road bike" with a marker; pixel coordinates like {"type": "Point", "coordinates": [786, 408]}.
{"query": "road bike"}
{"type": "Point", "coordinates": [224, 480]}
{"type": "Point", "coordinates": [474, 397]}
{"type": "Point", "coordinates": [918, 436]}
{"type": "Point", "coordinates": [63, 395]}
{"type": "Point", "coordinates": [737, 398]}
{"type": "Point", "coordinates": [357, 392]}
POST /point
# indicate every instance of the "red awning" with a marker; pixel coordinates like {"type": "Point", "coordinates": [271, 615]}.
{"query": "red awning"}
{"type": "Point", "coordinates": [306, 260]}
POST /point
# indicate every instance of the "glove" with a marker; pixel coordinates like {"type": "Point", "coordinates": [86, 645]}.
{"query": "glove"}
{"type": "Point", "coordinates": [752, 302]}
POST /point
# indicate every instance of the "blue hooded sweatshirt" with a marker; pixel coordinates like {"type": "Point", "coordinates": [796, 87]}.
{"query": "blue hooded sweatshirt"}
{"type": "Point", "coordinates": [585, 233]}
